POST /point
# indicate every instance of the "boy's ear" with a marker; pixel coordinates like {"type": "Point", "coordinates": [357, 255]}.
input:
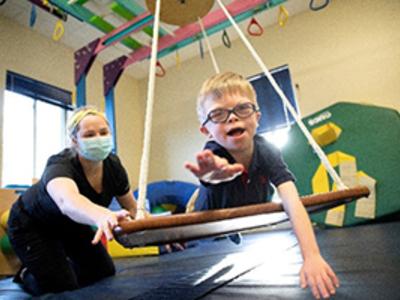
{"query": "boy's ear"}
{"type": "Point", "coordinates": [205, 131]}
{"type": "Point", "coordinates": [258, 116]}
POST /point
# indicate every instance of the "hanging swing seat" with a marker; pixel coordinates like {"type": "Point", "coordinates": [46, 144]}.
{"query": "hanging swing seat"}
{"type": "Point", "coordinates": [181, 12]}
{"type": "Point", "coordinates": [197, 225]}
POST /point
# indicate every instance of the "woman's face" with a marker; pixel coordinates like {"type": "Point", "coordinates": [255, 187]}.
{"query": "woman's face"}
{"type": "Point", "coordinates": [93, 139]}
{"type": "Point", "coordinates": [92, 126]}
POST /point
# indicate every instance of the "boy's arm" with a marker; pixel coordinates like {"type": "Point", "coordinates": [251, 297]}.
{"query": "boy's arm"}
{"type": "Point", "coordinates": [315, 273]}
{"type": "Point", "coordinates": [213, 169]}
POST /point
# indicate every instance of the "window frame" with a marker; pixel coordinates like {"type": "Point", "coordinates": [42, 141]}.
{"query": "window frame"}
{"type": "Point", "coordinates": [43, 92]}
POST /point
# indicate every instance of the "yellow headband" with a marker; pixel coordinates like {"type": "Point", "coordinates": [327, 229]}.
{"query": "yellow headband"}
{"type": "Point", "coordinates": [78, 116]}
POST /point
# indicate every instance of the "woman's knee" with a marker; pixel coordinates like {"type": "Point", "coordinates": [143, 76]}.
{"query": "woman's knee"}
{"type": "Point", "coordinates": [51, 283]}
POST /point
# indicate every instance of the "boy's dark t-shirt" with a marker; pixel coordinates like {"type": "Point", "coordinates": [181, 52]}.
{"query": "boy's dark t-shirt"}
{"type": "Point", "coordinates": [253, 186]}
{"type": "Point", "coordinates": [37, 202]}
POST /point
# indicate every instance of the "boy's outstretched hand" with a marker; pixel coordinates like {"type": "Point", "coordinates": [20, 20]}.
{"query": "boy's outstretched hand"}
{"type": "Point", "coordinates": [318, 275]}
{"type": "Point", "coordinates": [213, 169]}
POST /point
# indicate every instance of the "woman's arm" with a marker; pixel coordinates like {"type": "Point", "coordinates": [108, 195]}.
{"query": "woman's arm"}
{"type": "Point", "coordinates": [128, 202]}
{"type": "Point", "coordinates": [71, 203]}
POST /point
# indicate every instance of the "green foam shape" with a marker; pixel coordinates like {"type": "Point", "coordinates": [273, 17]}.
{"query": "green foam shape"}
{"type": "Point", "coordinates": [369, 133]}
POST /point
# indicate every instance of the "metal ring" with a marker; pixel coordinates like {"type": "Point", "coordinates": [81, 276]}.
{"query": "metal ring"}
{"type": "Point", "coordinates": [226, 40]}
{"type": "Point", "coordinates": [318, 7]}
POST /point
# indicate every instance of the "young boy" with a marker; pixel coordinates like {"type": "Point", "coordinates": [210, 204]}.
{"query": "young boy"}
{"type": "Point", "coordinates": [237, 167]}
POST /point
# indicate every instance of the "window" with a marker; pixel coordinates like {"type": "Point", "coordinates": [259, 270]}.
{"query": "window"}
{"type": "Point", "coordinates": [33, 127]}
{"type": "Point", "coordinates": [275, 118]}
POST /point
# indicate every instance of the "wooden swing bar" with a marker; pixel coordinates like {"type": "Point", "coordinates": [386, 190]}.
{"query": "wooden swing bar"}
{"type": "Point", "coordinates": [195, 225]}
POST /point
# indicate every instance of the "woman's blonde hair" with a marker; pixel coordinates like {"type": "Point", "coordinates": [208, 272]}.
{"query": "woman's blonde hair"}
{"type": "Point", "coordinates": [78, 115]}
{"type": "Point", "coordinates": [221, 84]}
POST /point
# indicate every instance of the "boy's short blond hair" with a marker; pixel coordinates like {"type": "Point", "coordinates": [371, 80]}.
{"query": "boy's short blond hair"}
{"type": "Point", "coordinates": [78, 115]}
{"type": "Point", "coordinates": [221, 84]}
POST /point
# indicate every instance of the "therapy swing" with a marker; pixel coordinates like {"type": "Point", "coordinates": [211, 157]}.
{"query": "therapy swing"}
{"type": "Point", "coordinates": [190, 226]}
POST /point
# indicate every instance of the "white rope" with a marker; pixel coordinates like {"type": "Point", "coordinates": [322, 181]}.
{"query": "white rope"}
{"type": "Point", "coordinates": [216, 68]}
{"type": "Point", "coordinates": [314, 145]}
{"type": "Point", "coordinates": [144, 164]}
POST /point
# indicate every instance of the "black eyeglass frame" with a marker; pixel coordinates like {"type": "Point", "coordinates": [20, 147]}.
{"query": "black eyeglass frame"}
{"type": "Point", "coordinates": [229, 112]}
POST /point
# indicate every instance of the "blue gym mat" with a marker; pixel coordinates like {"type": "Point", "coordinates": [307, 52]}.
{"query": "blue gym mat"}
{"type": "Point", "coordinates": [264, 266]}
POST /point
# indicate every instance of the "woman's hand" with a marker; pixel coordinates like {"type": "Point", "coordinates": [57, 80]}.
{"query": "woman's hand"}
{"type": "Point", "coordinates": [213, 169]}
{"type": "Point", "coordinates": [319, 276]}
{"type": "Point", "coordinates": [108, 222]}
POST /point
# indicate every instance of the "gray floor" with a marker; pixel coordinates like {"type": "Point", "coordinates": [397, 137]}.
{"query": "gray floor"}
{"type": "Point", "coordinates": [264, 266]}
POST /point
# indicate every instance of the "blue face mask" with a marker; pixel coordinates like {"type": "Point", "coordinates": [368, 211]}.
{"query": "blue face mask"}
{"type": "Point", "coordinates": [95, 148]}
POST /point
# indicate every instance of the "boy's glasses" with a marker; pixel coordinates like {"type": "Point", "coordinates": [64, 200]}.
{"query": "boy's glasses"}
{"type": "Point", "coordinates": [221, 115]}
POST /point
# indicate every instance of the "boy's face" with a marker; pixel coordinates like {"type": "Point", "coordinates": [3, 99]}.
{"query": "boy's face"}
{"type": "Point", "coordinates": [236, 134]}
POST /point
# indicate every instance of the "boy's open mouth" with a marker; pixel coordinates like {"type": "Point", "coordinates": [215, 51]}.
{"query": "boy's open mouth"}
{"type": "Point", "coordinates": [235, 131]}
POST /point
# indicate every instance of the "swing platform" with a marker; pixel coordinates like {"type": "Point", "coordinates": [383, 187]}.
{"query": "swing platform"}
{"type": "Point", "coordinates": [198, 225]}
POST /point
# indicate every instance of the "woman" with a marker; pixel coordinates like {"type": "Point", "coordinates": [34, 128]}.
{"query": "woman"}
{"type": "Point", "coordinates": [50, 225]}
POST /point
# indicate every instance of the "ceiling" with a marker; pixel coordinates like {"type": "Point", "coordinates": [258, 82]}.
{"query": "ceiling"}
{"type": "Point", "coordinates": [78, 34]}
